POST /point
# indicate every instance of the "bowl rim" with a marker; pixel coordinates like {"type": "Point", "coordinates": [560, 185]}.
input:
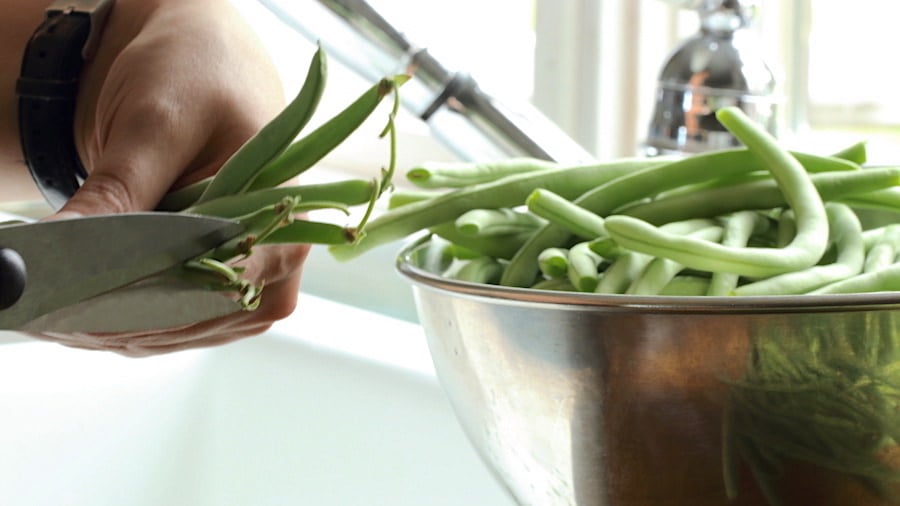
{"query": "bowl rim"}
{"type": "Point", "coordinates": [424, 279]}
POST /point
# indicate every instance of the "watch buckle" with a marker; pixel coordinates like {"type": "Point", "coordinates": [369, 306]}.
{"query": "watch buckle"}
{"type": "Point", "coordinates": [96, 10]}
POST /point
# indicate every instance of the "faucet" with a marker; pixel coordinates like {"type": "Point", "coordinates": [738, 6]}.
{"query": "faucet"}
{"type": "Point", "coordinates": [472, 124]}
{"type": "Point", "coordinates": [719, 66]}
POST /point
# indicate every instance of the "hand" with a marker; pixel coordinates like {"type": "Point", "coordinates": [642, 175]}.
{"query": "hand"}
{"type": "Point", "coordinates": [175, 88]}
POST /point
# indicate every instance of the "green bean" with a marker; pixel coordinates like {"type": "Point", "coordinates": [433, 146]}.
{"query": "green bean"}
{"type": "Point", "coordinates": [660, 271]}
{"type": "Point", "coordinates": [184, 197]}
{"type": "Point", "coordinates": [813, 164]}
{"type": "Point", "coordinates": [461, 252]}
{"type": "Point", "coordinates": [492, 222]}
{"type": "Point", "coordinates": [884, 251]}
{"type": "Point", "coordinates": [308, 150]}
{"type": "Point", "coordinates": [554, 262]}
{"type": "Point", "coordinates": [236, 175]}
{"type": "Point", "coordinates": [685, 285]}
{"type": "Point", "coordinates": [563, 212]}
{"type": "Point", "coordinates": [627, 266]}
{"type": "Point", "coordinates": [462, 174]}
{"type": "Point", "coordinates": [763, 194]}
{"type": "Point", "coordinates": [607, 247]}
{"type": "Point", "coordinates": [787, 228]}
{"type": "Point", "coordinates": [349, 192]}
{"type": "Point", "coordinates": [555, 284]}
{"type": "Point", "coordinates": [883, 280]}
{"type": "Point", "coordinates": [498, 246]}
{"type": "Point", "coordinates": [311, 232]}
{"type": "Point", "coordinates": [855, 153]}
{"type": "Point", "coordinates": [885, 199]}
{"type": "Point", "coordinates": [484, 270]}
{"type": "Point", "coordinates": [738, 229]}
{"type": "Point", "coordinates": [845, 234]}
{"type": "Point", "coordinates": [604, 199]}
{"type": "Point", "coordinates": [400, 198]}
{"type": "Point", "coordinates": [583, 268]}
{"type": "Point", "coordinates": [507, 192]}
{"type": "Point", "coordinates": [805, 249]}
{"type": "Point", "coordinates": [619, 275]}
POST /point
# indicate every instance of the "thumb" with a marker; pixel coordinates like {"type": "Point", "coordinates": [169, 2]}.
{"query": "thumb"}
{"type": "Point", "coordinates": [103, 193]}
{"type": "Point", "coordinates": [132, 171]}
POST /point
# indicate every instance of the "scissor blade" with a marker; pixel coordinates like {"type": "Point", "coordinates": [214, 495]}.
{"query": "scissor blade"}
{"type": "Point", "coordinates": [68, 261]}
{"type": "Point", "coordinates": [157, 303]}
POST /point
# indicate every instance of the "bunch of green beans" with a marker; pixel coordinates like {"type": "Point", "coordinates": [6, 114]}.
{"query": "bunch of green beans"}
{"type": "Point", "coordinates": [776, 221]}
{"type": "Point", "coordinates": [250, 187]}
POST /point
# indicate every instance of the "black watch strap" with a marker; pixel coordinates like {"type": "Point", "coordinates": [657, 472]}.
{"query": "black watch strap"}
{"type": "Point", "coordinates": [47, 89]}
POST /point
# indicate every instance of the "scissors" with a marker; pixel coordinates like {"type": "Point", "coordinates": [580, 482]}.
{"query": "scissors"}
{"type": "Point", "coordinates": [109, 273]}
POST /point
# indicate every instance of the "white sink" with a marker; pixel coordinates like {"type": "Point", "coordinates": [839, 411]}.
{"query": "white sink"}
{"type": "Point", "coordinates": [334, 406]}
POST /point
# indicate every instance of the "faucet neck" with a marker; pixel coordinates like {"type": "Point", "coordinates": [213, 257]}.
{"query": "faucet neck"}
{"type": "Point", "coordinates": [724, 17]}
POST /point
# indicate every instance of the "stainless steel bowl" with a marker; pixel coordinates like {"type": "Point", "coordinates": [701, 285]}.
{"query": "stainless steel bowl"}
{"type": "Point", "coordinates": [589, 400]}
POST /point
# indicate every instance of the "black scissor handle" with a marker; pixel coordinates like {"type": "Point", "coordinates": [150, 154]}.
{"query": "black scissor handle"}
{"type": "Point", "coordinates": [12, 277]}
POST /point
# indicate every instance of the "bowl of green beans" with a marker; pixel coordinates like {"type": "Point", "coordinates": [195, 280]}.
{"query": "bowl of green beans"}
{"type": "Point", "coordinates": [593, 399]}
{"type": "Point", "coordinates": [718, 329]}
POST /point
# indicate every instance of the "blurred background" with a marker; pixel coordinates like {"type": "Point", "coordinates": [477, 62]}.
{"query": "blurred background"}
{"type": "Point", "coordinates": [592, 66]}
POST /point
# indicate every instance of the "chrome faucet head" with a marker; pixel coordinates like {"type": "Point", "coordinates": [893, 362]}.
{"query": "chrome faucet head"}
{"type": "Point", "coordinates": [719, 66]}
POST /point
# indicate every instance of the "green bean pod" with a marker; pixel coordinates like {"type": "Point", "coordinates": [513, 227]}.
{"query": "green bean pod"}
{"type": "Point", "coordinates": [350, 192]}
{"type": "Point", "coordinates": [660, 271]}
{"type": "Point", "coordinates": [846, 235]}
{"type": "Point", "coordinates": [884, 251]}
{"type": "Point", "coordinates": [606, 198]}
{"type": "Point", "coordinates": [504, 246]}
{"type": "Point", "coordinates": [308, 150]}
{"type": "Point", "coordinates": [507, 192]}
{"type": "Point", "coordinates": [804, 251]}
{"type": "Point", "coordinates": [762, 194]}
{"type": "Point", "coordinates": [583, 267]}
{"type": "Point", "coordinates": [433, 175]}
{"type": "Point", "coordinates": [493, 222]}
{"type": "Point", "coordinates": [485, 270]}
{"type": "Point", "coordinates": [738, 229]}
{"type": "Point", "coordinates": [622, 272]}
{"type": "Point", "coordinates": [686, 286]}
{"type": "Point", "coordinates": [400, 198]}
{"type": "Point", "coordinates": [554, 262]}
{"type": "Point", "coordinates": [563, 212]}
{"type": "Point", "coordinates": [311, 232]}
{"type": "Point", "coordinates": [236, 175]}
{"type": "Point", "coordinates": [882, 280]}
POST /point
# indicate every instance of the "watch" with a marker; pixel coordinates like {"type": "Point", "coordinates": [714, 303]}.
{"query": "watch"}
{"type": "Point", "coordinates": [47, 89]}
